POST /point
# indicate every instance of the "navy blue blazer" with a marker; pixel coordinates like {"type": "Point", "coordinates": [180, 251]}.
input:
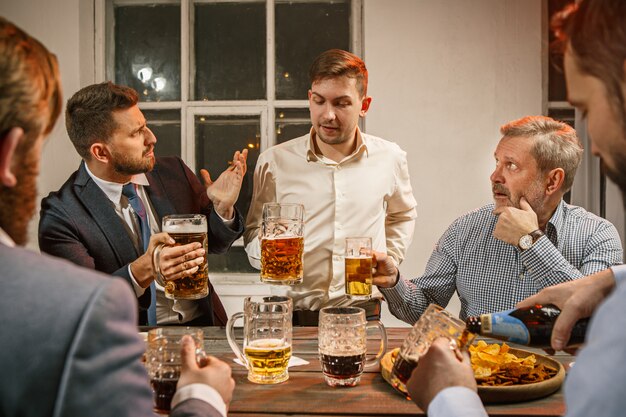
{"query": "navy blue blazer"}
{"type": "Point", "coordinates": [79, 223]}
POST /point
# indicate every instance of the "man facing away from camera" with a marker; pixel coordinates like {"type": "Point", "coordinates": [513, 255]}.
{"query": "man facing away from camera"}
{"type": "Point", "coordinates": [69, 339]}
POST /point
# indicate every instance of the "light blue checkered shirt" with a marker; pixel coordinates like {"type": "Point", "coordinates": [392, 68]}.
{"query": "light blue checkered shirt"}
{"type": "Point", "coordinates": [491, 275]}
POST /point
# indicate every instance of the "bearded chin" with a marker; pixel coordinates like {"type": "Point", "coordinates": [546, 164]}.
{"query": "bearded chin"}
{"type": "Point", "coordinates": [17, 204]}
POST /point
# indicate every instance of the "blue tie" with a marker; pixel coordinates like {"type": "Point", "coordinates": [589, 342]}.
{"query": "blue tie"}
{"type": "Point", "coordinates": [140, 211]}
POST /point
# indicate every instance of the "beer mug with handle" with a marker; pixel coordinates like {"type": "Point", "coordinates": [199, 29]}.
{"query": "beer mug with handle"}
{"type": "Point", "coordinates": [164, 361]}
{"type": "Point", "coordinates": [433, 323]}
{"type": "Point", "coordinates": [343, 344]}
{"type": "Point", "coordinates": [282, 243]}
{"type": "Point", "coordinates": [266, 338]}
{"type": "Point", "coordinates": [184, 229]}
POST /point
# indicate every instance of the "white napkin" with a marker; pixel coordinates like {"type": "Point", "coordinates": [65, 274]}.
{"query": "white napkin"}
{"type": "Point", "coordinates": [293, 361]}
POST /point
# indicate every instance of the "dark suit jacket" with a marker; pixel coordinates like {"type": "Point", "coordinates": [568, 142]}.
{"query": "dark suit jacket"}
{"type": "Point", "coordinates": [79, 223]}
{"type": "Point", "coordinates": [74, 351]}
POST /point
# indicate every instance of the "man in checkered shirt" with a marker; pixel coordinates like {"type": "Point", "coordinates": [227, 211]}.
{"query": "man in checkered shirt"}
{"type": "Point", "coordinates": [528, 239]}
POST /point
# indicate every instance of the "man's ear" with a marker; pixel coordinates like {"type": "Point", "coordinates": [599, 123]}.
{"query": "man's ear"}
{"type": "Point", "coordinates": [8, 143]}
{"type": "Point", "coordinates": [365, 106]}
{"type": "Point", "coordinates": [99, 152]}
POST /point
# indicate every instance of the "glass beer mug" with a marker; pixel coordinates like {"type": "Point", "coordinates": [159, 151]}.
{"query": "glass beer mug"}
{"type": "Point", "coordinates": [433, 323]}
{"type": "Point", "coordinates": [343, 344]}
{"type": "Point", "coordinates": [266, 338]}
{"type": "Point", "coordinates": [184, 229]}
{"type": "Point", "coordinates": [164, 362]}
{"type": "Point", "coordinates": [282, 243]}
{"type": "Point", "coordinates": [358, 263]}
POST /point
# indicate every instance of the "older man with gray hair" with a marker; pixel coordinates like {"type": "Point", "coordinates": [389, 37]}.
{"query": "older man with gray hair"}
{"type": "Point", "coordinates": [527, 240]}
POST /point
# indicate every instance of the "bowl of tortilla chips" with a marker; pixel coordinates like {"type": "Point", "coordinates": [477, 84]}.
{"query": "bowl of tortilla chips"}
{"type": "Point", "coordinates": [503, 374]}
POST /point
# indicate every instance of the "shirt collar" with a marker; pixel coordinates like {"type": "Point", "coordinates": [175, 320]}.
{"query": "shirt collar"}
{"type": "Point", "coordinates": [311, 155]}
{"type": "Point", "coordinates": [5, 239]}
{"type": "Point", "coordinates": [113, 190]}
{"type": "Point", "coordinates": [556, 222]}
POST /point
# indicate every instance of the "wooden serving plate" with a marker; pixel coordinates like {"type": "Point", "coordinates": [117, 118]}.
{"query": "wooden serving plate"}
{"type": "Point", "coordinates": [508, 393]}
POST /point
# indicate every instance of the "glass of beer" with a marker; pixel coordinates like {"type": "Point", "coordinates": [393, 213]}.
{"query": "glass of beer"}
{"type": "Point", "coordinates": [266, 338]}
{"type": "Point", "coordinates": [163, 361]}
{"type": "Point", "coordinates": [343, 344]}
{"type": "Point", "coordinates": [184, 229]}
{"type": "Point", "coordinates": [358, 258]}
{"type": "Point", "coordinates": [282, 243]}
{"type": "Point", "coordinates": [435, 322]}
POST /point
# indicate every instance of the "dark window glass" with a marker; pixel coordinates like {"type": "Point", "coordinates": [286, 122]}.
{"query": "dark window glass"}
{"type": "Point", "coordinates": [230, 51]}
{"type": "Point", "coordinates": [303, 31]}
{"type": "Point", "coordinates": [165, 124]}
{"type": "Point", "coordinates": [556, 78]}
{"type": "Point", "coordinates": [147, 50]}
{"type": "Point", "coordinates": [291, 123]}
{"type": "Point", "coordinates": [217, 139]}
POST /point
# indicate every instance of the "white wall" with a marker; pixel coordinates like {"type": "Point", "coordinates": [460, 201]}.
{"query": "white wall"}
{"type": "Point", "coordinates": [56, 24]}
{"type": "Point", "coordinates": [444, 75]}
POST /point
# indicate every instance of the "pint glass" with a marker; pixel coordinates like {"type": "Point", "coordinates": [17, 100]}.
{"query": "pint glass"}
{"type": "Point", "coordinates": [435, 322]}
{"type": "Point", "coordinates": [282, 243]}
{"type": "Point", "coordinates": [184, 229]}
{"type": "Point", "coordinates": [163, 361]}
{"type": "Point", "coordinates": [358, 257]}
{"type": "Point", "coordinates": [266, 338]}
{"type": "Point", "coordinates": [343, 344]}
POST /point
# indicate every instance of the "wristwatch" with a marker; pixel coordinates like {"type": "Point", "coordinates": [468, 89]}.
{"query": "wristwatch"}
{"type": "Point", "coordinates": [526, 241]}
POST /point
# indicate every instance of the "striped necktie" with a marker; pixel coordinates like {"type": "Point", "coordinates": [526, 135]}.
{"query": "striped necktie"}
{"type": "Point", "coordinates": [130, 192]}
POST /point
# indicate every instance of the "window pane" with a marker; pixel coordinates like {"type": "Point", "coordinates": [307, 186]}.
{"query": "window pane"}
{"type": "Point", "coordinates": [165, 124]}
{"type": "Point", "coordinates": [236, 260]}
{"type": "Point", "coordinates": [556, 77]}
{"type": "Point", "coordinates": [291, 123]}
{"type": "Point", "coordinates": [328, 26]}
{"type": "Point", "coordinates": [217, 139]}
{"type": "Point", "coordinates": [147, 50]}
{"type": "Point", "coordinates": [230, 51]}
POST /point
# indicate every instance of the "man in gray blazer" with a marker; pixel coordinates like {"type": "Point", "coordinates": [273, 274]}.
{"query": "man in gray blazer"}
{"type": "Point", "coordinates": [69, 342]}
{"type": "Point", "coordinates": [89, 220]}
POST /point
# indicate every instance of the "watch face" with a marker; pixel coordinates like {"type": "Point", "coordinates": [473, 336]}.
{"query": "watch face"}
{"type": "Point", "coordinates": [525, 242]}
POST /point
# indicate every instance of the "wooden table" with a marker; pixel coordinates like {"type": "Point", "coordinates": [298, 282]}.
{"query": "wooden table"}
{"type": "Point", "coordinates": [306, 393]}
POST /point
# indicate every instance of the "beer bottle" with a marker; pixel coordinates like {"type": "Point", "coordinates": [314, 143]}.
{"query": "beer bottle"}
{"type": "Point", "coordinates": [530, 326]}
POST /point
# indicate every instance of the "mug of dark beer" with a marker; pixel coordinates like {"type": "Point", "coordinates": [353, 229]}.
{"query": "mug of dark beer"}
{"type": "Point", "coordinates": [163, 361]}
{"type": "Point", "coordinates": [266, 338]}
{"type": "Point", "coordinates": [282, 243]}
{"type": "Point", "coordinates": [433, 323]}
{"type": "Point", "coordinates": [343, 344]}
{"type": "Point", "coordinates": [184, 229]}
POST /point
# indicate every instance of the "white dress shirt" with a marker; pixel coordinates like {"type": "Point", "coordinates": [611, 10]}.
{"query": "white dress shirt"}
{"type": "Point", "coordinates": [368, 193]}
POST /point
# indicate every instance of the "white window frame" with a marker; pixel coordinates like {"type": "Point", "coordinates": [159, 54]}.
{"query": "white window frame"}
{"type": "Point", "coordinates": [104, 60]}
{"type": "Point", "coordinates": [104, 69]}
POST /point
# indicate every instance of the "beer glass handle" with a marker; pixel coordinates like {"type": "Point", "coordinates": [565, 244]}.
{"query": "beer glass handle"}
{"type": "Point", "coordinates": [156, 265]}
{"type": "Point", "coordinates": [383, 342]}
{"type": "Point", "coordinates": [232, 340]}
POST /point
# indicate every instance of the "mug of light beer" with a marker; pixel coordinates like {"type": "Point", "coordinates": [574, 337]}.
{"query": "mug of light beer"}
{"type": "Point", "coordinates": [282, 243]}
{"type": "Point", "coordinates": [184, 229]}
{"type": "Point", "coordinates": [435, 322]}
{"type": "Point", "coordinates": [343, 344]}
{"type": "Point", "coordinates": [358, 259]}
{"type": "Point", "coordinates": [266, 338]}
{"type": "Point", "coordinates": [163, 361]}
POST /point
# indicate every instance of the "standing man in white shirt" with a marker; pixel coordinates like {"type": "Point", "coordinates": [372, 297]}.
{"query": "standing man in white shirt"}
{"type": "Point", "coordinates": [350, 183]}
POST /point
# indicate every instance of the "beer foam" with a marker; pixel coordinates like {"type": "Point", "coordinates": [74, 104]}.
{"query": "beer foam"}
{"type": "Point", "coordinates": [267, 344]}
{"type": "Point", "coordinates": [185, 228]}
